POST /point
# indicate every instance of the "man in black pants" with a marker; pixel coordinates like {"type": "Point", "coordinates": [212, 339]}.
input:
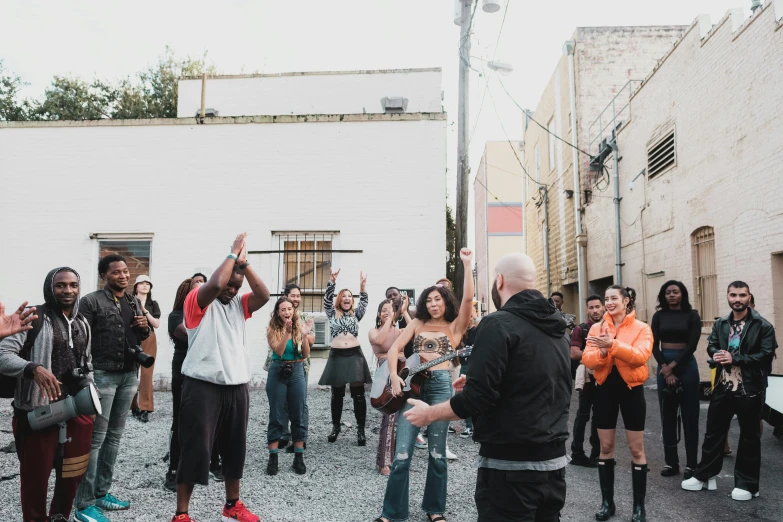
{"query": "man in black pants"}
{"type": "Point", "coordinates": [595, 312]}
{"type": "Point", "coordinates": [520, 409]}
{"type": "Point", "coordinates": [742, 345]}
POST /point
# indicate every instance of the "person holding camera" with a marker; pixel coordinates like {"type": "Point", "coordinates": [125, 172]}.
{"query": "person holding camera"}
{"type": "Point", "coordinates": [215, 395]}
{"type": "Point", "coordinates": [50, 360]}
{"type": "Point", "coordinates": [676, 329]}
{"type": "Point", "coordinates": [118, 327]}
{"type": "Point", "coordinates": [286, 384]}
{"type": "Point", "coordinates": [144, 403]}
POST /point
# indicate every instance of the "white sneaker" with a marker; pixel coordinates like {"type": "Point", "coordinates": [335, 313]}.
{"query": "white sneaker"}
{"type": "Point", "coordinates": [421, 442]}
{"type": "Point", "coordinates": [741, 494]}
{"type": "Point", "coordinates": [450, 455]}
{"type": "Point", "coordinates": [694, 484]}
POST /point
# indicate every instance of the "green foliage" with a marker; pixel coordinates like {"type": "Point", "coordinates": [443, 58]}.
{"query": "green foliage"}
{"type": "Point", "coordinates": [151, 94]}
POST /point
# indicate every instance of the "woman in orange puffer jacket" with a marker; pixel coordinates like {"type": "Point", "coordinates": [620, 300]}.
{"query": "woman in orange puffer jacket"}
{"type": "Point", "coordinates": [618, 355]}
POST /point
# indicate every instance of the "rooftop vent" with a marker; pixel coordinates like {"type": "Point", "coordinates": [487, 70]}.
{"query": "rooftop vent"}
{"type": "Point", "coordinates": [392, 105]}
{"type": "Point", "coordinates": [208, 113]}
{"type": "Point", "coordinates": [661, 156]}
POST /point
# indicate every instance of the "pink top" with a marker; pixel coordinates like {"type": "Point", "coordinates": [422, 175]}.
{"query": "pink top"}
{"type": "Point", "coordinates": [380, 350]}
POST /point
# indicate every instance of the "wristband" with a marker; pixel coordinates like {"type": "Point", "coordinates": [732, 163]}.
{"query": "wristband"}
{"type": "Point", "coordinates": [232, 256]}
{"type": "Point", "coordinates": [244, 265]}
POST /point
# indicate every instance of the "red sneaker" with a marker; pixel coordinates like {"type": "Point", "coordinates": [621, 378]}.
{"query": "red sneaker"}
{"type": "Point", "coordinates": [182, 518]}
{"type": "Point", "coordinates": [239, 513]}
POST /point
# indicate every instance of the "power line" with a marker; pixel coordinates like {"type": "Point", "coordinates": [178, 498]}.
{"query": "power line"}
{"type": "Point", "coordinates": [509, 207]}
{"type": "Point", "coordinates": [500, 121]}
{"type": "Point", "coordinates": [537, 123]}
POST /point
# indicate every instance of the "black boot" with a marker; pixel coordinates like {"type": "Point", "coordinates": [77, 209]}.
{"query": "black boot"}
{"type": "Point", "coordinates": [360, 436]}
{"type": "Point", "coordinates": [606, 478]}
{"type": "Point", "coordinates": [299, 465]}
{"type": "Point", "coordinates": [335, 432]}
{"type": "Point", "coordinates": [272, 467]}
{"type": "Point", "coordinates": [639, 478]}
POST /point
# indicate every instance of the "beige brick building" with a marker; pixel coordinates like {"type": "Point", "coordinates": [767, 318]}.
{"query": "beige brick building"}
{"type": "Point", "coordinates": [604, 60]}
{"type": "Point", "coordinates": [704, 148]}
{"type": "Point", "coordinates": [498, 190]}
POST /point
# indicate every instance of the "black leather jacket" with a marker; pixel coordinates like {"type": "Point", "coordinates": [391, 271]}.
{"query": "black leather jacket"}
{"type": "Point", "coordinates": [756, 350]}
{"type": "Point", "coordinates": [108, 332]}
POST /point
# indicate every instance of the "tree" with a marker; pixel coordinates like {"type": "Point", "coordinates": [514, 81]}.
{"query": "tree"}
{"type": "Point", "coordinates": [151, 94]}
{"type": "Point", "coordinates": [10, 108]}
{"type": "Point", "coordinates": [451, 239]}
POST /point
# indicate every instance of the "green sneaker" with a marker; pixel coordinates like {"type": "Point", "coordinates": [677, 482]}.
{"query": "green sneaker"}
{"type": "Point", "coordinates": [111, 503]}
{"type": "Point", "coordinates": [90, 514]}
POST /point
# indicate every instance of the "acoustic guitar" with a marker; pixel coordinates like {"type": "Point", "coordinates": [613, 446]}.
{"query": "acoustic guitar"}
{"type": "Point", "coordinates": [413, 372]}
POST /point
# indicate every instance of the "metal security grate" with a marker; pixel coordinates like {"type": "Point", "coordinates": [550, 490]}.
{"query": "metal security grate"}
{"type": "Point", "coordinates": [705, 277]}
{"type": "Point", "coordinates": [661, 156]}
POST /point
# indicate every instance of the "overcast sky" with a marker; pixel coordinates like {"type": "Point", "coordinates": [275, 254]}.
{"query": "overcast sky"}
{"type": "Point", "coordinates": [110, 40]}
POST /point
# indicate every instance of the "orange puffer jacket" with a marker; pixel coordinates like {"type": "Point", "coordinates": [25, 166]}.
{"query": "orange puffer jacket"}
{"type": "Point", "coordinates": [630, 350]}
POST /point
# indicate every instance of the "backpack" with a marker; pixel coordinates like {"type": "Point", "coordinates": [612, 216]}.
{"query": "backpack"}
{"type": "Point", "coordinates": [585, 331]}
{"type": "Point", "coordinates": [8, 383]}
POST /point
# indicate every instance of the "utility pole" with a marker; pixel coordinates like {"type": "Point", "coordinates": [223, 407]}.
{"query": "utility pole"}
{"type": "Point", "coordinates": [463, 167]}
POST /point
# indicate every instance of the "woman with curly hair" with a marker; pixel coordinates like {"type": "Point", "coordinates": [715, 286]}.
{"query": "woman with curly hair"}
{"type": "Point", "coordinates": [437, 330]}
{"type": "Point", "coordinates": [286, 382]}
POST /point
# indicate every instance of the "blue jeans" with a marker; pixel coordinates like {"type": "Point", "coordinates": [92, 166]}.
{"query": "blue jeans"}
{"type": "Point", "coordinates": [435, 390]}
{"type": "Point", "coordinates": [305, 418]}
{"type": "Point", "coordinates": [282, 391]}
{"type": "Point", "coordinates": [117, 391]}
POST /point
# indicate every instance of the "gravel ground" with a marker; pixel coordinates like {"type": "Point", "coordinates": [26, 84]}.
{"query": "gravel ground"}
{"type": "Point", "coordinates": [343, 485]}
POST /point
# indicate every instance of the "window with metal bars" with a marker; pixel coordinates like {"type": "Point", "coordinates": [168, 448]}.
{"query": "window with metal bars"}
{"type": "Point", "coordinates": [705, 276]}
{"type": "Point", "coordinates": [305, 260]}
{"type": "Point", "coordinates": [662, 155]}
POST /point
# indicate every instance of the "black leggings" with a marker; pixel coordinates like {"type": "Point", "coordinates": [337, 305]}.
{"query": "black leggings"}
{"type": "Point", "coordinates": [359, 404]}
{"type": "Point", "coordinates": [613, 397]}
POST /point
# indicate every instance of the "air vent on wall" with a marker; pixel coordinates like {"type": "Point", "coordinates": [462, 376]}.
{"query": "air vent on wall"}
{"type": "Point", "coordinates": [662, 156]}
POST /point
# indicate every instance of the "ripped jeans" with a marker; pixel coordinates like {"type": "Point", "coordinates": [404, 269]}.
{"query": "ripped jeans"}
{"type": "Point", "coordinates": [435, 390]}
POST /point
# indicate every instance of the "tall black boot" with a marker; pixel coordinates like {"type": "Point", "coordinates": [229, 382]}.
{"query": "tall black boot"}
{"type": "Point", "coordinates": [360, 410]}
{"type": "Point", "coordinates": [272, 466]}
{"type": "Point", "coordinates": [299, 465]}
{"type": "Point", "coordinates": [606, 479]}
{"type": "Point", "coordinates": [639, 478]}
{"type": "Point", "coordinates": [337, 412]}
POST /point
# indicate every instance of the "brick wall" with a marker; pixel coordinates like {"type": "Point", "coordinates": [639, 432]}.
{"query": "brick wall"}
{"type": "Point", "coordinates": [721, 94]}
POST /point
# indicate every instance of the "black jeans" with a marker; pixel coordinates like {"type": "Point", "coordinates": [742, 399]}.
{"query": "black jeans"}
{"type": "Point", "coordinates": [520, 496]}
{"type": "Point", "coordinates": [586, 397]}
{"type": "Point", "coordinates": [687, 402]}
{"type": "Point", "coordinates": [747, 466]}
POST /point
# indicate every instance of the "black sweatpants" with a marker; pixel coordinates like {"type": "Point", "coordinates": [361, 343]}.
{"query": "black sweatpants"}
{"type": "Point", "coordinates": [747, 465]}
{"type": "Point", "coordinates": [586, 398]}
{"type": "Point", "coordinates": [520, 496]}
{"type": "Point", "coordinates": [207, 411]}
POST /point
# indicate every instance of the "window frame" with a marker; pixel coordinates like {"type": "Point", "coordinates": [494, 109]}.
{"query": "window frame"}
{"type": "Point", "coordinates": [101, 238]}
{"type": "Point", "coordinates": [552, 146]}
{"type": "Point", "coordinates": [308, 292]}
{"type": "Point", "coordinates": [705, 274]}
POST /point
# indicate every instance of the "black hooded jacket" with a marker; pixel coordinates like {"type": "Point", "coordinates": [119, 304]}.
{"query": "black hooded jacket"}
{"type": "Point", "coordinates": [519, 381]}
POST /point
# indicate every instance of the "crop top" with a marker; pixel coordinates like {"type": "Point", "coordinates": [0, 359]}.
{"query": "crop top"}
{"type": "Point", "coordinates": [675, 326]}
{"type": "Point", "coordinates": [440, 345]}
{"type": "Point", "coordinates": [289, 354]}
{"type": "Point", "coordinates": [345, 323]}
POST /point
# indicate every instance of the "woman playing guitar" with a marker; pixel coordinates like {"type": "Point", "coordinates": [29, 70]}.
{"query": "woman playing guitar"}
{"type": "Point", "coordinates": [437, 330]}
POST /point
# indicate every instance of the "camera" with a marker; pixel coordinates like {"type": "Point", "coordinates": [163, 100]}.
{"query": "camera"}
{"type": "Point", "coordinates": [286, 370]}
{"type": "Point", "coordinates": [141, 358]}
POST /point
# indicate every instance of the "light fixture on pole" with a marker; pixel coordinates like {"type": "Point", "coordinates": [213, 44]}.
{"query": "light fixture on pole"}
{"type": "Point", "coordinates": [491, 6]}
{"type": "Point", "coordinates": [501, 67]}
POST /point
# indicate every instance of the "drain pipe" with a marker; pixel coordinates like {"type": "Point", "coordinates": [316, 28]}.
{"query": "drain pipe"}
{"type": "Point", "coordinates": [618, 257]}
{"type": "Point", "coordinates": [581, 239]}
{"type": "Point", "coordinates": [542, 189]}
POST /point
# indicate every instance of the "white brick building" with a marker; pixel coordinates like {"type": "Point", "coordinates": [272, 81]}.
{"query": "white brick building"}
{"type": "Point", "coordinates": [368, 186]}
{"type": "Point", "coordinates": [704, 142]}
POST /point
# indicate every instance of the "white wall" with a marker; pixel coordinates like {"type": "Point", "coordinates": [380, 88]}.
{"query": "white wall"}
{"type": "Point", "coordinates": [312, 93]}
{"type": "Point", "coordinates": [381, 184]}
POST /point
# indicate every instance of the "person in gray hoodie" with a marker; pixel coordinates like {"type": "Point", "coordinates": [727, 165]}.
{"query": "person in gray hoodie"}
{"type": "Point", "coordinates": [43, 361]}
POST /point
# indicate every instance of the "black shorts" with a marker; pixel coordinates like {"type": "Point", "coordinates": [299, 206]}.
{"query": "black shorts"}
{"type": "Point", "coordinates": [614, 396]}
{"type": "Point", "coordinates": [207, 411]}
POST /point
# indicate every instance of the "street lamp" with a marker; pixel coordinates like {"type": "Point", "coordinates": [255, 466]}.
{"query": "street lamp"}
{"type": "Point", "coordinates": [462, 17]}
{"type": "Point", "coordinates": [501, 67]}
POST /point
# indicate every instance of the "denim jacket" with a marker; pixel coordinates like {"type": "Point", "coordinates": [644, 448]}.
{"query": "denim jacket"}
{"type": "Point", "coordinates": [108, 332]}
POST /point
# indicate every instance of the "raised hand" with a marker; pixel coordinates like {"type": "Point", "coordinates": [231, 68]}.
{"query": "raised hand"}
{"type": "Point", "coordinates": [18, 321]}
{"type": "Point", "coordinates": [362, 281]}
{"type": "Point", "coordinates": [333, 276]}
{"type": "Point", "coordinates": [242, 257]}
{"type": "Point", "coordinates": [239, 244]}
{"type": "Point", "coordinates": [466, 255]}
{"type": "Point", "coordinates": [289, 325]}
